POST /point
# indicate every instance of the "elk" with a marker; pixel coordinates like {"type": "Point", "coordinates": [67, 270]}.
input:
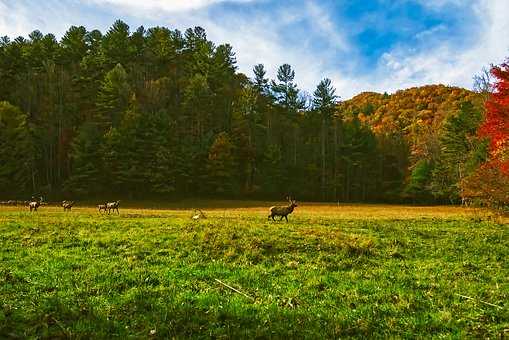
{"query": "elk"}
{"type": "Point", "coordinates": [34, 204]}
{"type": "Point", "coordinates": [67, 205]}
{"type": "Point", "coordinates": [282, 211]}
{"type": "Point", "coordinates": [113, 206]}
{"type": "Point", "coordinates": [102, 207]}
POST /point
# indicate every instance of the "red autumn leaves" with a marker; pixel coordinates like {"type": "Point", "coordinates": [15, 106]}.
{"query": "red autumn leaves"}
{"type": "Point", "coordinates": [490, 183]}
{"type": "Point", "coordinates": [496, 124]}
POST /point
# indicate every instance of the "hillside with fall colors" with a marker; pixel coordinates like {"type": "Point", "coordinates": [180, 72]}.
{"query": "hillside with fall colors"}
{"type": "Point", "coordinates": [408, 110]}
{"type": "Point", "coordinates": [431, 122]}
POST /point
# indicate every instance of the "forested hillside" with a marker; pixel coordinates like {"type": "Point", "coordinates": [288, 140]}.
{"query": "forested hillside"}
{"type": "Point", "coordinates": [159, 113]}
{"type": "Point", "coordinates": [429, 132]}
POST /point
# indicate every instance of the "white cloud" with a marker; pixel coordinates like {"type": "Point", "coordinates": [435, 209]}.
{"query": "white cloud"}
{"type": "Point", "coordinates": [442, 62]}
{"type": "Point", "coordinates": [20, 18]}
{"type": "Point", "coordinates": [325, 27]}
{"type": "Point", "coordinates": [13, 21]}
{"type": "Point", "coordinates": [163, 5]}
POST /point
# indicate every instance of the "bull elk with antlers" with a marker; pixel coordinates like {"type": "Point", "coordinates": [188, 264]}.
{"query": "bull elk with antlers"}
{"type": "Point", "coordinates": [283, 211]}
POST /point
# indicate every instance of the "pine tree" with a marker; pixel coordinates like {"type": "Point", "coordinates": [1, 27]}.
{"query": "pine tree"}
{"type": "Point", "coordinates": [417, 187]}
{"type": "Point", "coordinates": [116, 45]}
{"type": "Point", "coordinates": [324, 103]}
{"type": "Point", "coordinates": [261, 83]}
{"type": "Point", "coordinates": [114, 95]}
{"type": "Point", "coordinates": [87, 177]}
{"type": "Point", "coordinates": [285, 91]}
{"type": "Point", "coordinates": [221, 166]}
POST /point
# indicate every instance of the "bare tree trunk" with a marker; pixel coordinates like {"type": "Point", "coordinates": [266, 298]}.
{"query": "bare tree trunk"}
{"type": "Point", "coordinates": [324, 184]}
{"type": "Point", "coordinates": [60, 157]}
{"type": "Point", "coordinates": [295, 136]}
{"type": "Point", "coordinates": [269, 128]}
{"type": "Point", "coordinates": [33, 176]}
{"type": "Point", "coordinates": [347, 182]}
{"type": "Point", "coordinates": [335, 161]}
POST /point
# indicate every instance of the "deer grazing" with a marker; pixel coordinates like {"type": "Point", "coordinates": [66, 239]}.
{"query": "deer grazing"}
{"type": "Point", "coordinates": [113, 206]}
{"type": "Point", "coordinates": [34, 204]}
{"type": "Point", "coordinates": [67, 205]}
{"type": "Point", "coordinates": [102, 207]}
{"type": "Point", "coordinates": [282, 211]}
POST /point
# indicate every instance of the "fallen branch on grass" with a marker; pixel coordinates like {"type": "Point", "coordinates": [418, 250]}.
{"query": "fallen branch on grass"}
{"type": "Point", "coordinates": [486, 303]}
{"type": "Point", "coordinates": [235, 290]}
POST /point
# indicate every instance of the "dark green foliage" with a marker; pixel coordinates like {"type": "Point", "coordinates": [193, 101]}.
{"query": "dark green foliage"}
{"type": "Point", "coordinates": [139, 112]}
{"type": "Point", "coordinates": [221, 168]}
{"type": "Point", "coordinates": [462, 151]}
{"type": "Point", "coordinates": [357, 157]}
{"type": "Point", "coordinates": [86, 160]}
{"type": "Point", "coordinates": [285, 91]}
{"type": "Point", "coordinates": [138, 155]}
{"type": "Point", "coordinates": [274, 177]}
{"type": "Point", "coordinates": [17, 152]}
{"type": "Point", "coordinates": [324, 102]}
{"type": "Point", "coordinates": [325, 98]}
{"type": "Point", "coordinates": [261, 83]}
{"type": "Point", "coordinates": [114, 95]}
{"type": "Point", "coordinates": [417, 184]}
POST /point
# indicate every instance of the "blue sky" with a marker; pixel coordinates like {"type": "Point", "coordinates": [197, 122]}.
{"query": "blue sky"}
{"type": "Point", "coordinates": [378, 45]}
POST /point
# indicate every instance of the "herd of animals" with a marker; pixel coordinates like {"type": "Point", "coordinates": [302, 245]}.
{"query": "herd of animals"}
{"type": "Point", "coordinates": [34, 204]}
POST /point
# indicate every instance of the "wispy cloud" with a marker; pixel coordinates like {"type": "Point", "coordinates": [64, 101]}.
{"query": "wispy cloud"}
{"type": "Point", "coordinates": [442, 61]}
{"type": "Point", "coordinates": [14, 21]}
{"type": "Point", "coordinates": [20, 17]}
{"type": "Point", "coordinates": [169, 6]}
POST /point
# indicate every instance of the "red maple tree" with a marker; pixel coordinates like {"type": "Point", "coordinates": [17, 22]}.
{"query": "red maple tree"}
{"type": "Point", "coordinates": [489, 184]}
{"type": "Point", "coordinates": [496, 124]}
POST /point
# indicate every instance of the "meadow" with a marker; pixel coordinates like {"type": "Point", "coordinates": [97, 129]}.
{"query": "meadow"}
{"type": "Point", "coordinates": [333, 271]}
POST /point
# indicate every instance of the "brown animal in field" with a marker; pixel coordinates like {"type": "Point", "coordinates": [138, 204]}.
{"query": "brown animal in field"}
{"type": "Point", "coordinates": [34, 204]}
{"type": "Point", "coordinates": [102, 207]}
{"type": "Point", "coordinates": [67, 205]}
{"type": "Point", "coordinates": [282, 211]}
{"type": "Point", "coordinates": [113, 206]}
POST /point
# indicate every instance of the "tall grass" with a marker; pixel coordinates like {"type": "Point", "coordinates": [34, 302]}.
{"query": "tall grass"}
{"type": "Point", "coordinates": [370, 271]}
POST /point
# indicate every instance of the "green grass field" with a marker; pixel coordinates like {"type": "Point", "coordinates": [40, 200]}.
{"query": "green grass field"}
{"type": "Point", "coordinates": [332, 271]}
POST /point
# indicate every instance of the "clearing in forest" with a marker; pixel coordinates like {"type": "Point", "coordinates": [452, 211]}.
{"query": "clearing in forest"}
{"type": "Point", "coordinates": [331, 271]}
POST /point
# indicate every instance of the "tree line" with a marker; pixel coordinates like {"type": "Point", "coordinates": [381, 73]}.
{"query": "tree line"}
{"type": "Point", "coordinates": [160, 113]}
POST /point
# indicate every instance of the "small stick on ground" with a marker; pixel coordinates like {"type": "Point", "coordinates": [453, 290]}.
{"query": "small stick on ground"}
{"type": "Point", "coordinates": [486, 303]}
{"type": "Point", "coordinates": [235, 290]}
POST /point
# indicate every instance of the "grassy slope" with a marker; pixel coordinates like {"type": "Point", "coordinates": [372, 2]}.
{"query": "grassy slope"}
{"type": "Point", "coordinates": [332, 271]}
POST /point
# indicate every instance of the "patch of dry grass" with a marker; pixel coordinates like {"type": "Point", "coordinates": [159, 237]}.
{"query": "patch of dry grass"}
{"type": "Point", "coordinates": [257, 209]}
